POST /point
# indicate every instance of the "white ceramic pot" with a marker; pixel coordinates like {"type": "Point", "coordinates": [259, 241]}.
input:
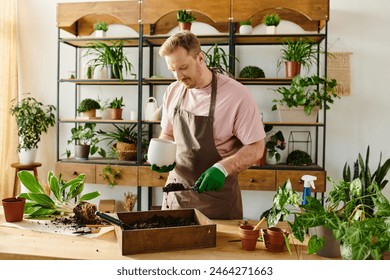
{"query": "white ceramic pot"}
{"type": "Point", "coordinates": [161, 152]}
{"type": "Point", "coordinates": [100, 73]}
{"type": "Point", "coordinates": [271, 160]}
{"type": "Point", "coordinates": [270, 29]}
{"type": "Point", "coordinates": [27, 156]}
{"type": "Point", "coordinates": [100, 33]}
{"type": "Point", "coordinates": [246, 29]}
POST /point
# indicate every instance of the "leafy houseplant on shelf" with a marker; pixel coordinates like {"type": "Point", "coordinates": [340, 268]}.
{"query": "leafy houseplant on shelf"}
{"type": "Point", "coordinates": [297, 54]}
{"type": "Point", "coordinates": [307, 93]}
{"type": "Point", "coordinates": [275, 141]}
{"type": "Point", "coordinates": [124, 140]}
{"type": "Point", "coordinates": [185, 19]}
{"type": "Point", "coordinates": [32, 119]}
{"type": "Point", "coordinates": [64, 199]}
{"type": "Point", "coordinates": [251, 72]}
{"type": "Point", "coordinates": [88, 107]}
{"type": "Point", "coordinates": [85, 139]}
{"type": "Point", "coordinates": [100, 28]}
{"type": "Point", "coordinates": [218, 60]}
{"type": "Point", "coordinates": [111, 56]}
{"type": "Point", "coordinates": [271, 21]}
{"type": "Point", "coordinates": [115, 108]}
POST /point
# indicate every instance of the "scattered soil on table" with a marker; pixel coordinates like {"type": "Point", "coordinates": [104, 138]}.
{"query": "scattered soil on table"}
{"type": "Point", "coordinates": [161, 222]}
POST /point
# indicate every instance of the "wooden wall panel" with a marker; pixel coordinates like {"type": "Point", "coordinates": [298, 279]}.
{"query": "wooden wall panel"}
{"type": "Point", "coordinates": [78, 18]}
{"type": "Point", "coordinates": [153, 10]}
{"type": "Point", "coordinates": [309, 14]}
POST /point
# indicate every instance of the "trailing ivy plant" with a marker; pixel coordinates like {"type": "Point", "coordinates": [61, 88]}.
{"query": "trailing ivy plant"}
{"type": "Point", "coordinates": [110, 175]}
{"type": "Point", "coordinates": [32, 119]}
{"type": "Point", "coordinates": [65, 195]}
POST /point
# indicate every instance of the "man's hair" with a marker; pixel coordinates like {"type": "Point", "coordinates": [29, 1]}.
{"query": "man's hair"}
{"type": "Point", "coordinates": [184, 39]}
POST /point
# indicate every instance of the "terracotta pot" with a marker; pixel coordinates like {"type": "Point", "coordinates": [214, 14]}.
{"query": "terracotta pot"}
{"type": "Point", "coordinates": [115, 114]}
{"type": "Point", "coordinates": [13, 208]}
{"type": "Point", "coordinates": [249, 237]}
{"type": "Point", "coordinates": [185, 26]}
{"type": "Point", "coordinates": [90, 113]}
{"type": "Point", "coordinates": [293, 68]}
{"type": "Point", "coordinates": [274, 239]}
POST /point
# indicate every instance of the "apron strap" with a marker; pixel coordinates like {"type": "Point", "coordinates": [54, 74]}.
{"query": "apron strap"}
{"type": "Point", "coordinates": [213, 95]}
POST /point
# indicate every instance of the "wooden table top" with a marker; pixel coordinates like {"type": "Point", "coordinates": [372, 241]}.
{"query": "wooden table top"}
{"type": "Point", "coordinates": [26, 244]}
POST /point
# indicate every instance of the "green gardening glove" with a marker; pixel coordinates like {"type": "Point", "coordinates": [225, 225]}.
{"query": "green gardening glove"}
{"type": "Point", "coordinates": [164, 168]}
{"type": "Point", "coordinates": [161, 169]}
{"type": "Point", "coordinates": [211, 180]}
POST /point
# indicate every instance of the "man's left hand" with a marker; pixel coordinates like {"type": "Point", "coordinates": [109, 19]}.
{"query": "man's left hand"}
{"type": "Point", "coordinates": [211, 180]}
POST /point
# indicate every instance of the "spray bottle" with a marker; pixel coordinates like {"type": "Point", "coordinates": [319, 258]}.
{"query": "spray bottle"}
{"type": "Point", "coordinates": [308, 182]}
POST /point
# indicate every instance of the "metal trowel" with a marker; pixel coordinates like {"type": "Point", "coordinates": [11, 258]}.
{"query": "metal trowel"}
{"type": "Point", "coordinates": [113, 220]}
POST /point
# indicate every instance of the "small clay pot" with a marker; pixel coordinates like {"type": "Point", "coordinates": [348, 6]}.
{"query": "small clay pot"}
{"type": "Point", "coordinates": [249, 237]}
{"type": "Point", "coordinates": [274, 239]}
{"type": "Point", "coordinates": [13, 208]}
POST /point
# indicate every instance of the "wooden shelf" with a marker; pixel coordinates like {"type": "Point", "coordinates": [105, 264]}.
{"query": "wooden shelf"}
{"type": "Point", "coordinates": [85, 42]}
{"type": "Point", "coordinates": [99, 82]}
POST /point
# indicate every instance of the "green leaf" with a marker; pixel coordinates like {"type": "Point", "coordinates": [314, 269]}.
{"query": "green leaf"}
{"type": "Point", "coordinates": [90, 196]}
{"type": "Point", "coordinates": [30, 182]}
{"type": "Point", "coordinates": [315, 244]}
{"type": "Point", "coordinates": [54, 185]}
{"type": "Point", "coordinates": [42, 199]}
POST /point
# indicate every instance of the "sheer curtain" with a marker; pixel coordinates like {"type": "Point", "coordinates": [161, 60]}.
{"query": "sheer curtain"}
{"type": "Point", "coordinates": [8, 91]}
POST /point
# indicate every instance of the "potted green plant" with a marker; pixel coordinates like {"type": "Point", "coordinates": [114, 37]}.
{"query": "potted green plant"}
{"type": "Point", "coordinates": [66, 195]}
{"type": "Point", "coordinates": [357, 214]}
{"type": "Point", "coordinates": [218, 60]}
{"type": "Point", "coordinates": [274, 143]}
{"type": "Point", "coordinates": [88, 107]}
{"type": "Point", "coordinates": [109, 56]}
{"type": "Point", "coordinates": [306, 94]}
{"type": "Point", "coordinates": [100, 28]}
{"type": "Point", "coordinates": [115, 108]}
{"type": "Point", "coordinates": [251, 72]}
{"type": "Point", "coordinates": [271, 21]}
{"type": "Point", "coordinates": [246, 27]}
{"type": "Point", "coordinates": [85, 139]}
{"type": "Point", "coordinates": [32, 119]}
{"type": "Point", "coordinates": [297, 54]}
{"type": "Point", "coordinates": [124, 139]}
{"type": "Point", "coordinates": [185, 19]}
{"type": "Point", "coordinates": [298, 158]}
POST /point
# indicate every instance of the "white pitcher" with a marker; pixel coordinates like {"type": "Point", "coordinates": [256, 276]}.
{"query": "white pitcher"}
{"type": "Point", "coordinates": [152, 111]}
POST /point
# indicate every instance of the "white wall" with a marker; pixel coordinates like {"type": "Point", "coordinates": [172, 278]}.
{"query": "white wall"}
{"type": "Point", "coordinates": [354, 122]}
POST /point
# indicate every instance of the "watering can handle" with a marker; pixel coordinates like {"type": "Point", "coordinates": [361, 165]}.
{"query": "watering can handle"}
{"type": "Point", "coordinates": [151, 98]}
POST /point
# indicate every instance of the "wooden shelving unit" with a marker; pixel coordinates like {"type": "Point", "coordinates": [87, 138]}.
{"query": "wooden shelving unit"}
{"type": "Point", "coordinates": [152, 21]}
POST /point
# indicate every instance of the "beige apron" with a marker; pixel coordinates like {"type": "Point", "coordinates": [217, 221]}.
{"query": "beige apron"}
{"type": "Point", "coordinates": [196, 152]}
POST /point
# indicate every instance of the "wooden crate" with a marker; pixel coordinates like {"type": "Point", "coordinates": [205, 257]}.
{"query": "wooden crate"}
{"type": "Point", "coordinates": [139, 241]}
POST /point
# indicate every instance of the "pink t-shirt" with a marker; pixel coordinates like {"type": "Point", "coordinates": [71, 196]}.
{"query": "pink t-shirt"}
{"type": "Point", "coordinates": [236, 113]}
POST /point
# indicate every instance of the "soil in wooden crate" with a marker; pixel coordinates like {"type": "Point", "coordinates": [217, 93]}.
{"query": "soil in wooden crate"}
{"type": "Point", "coordinates": [161, 222]}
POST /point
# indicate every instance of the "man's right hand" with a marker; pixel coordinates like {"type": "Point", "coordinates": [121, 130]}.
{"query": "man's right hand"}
{"type": "Point", "coordinates": [164, 168]}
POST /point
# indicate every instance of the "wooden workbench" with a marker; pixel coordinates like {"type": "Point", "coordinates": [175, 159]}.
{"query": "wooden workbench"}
{"type": "Point", "coordinates": [26, 244]}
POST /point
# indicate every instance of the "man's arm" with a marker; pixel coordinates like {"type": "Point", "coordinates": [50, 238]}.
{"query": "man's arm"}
{"type": "Point", "coordinates": [244, 158]}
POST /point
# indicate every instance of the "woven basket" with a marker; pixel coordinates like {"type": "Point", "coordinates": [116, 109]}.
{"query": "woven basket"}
{"type": "Point", "coordinates": [126, 151]}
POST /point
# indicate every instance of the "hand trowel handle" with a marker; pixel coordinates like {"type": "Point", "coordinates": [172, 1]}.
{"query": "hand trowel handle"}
{"type": "Point", "coordinates": [110, 219]}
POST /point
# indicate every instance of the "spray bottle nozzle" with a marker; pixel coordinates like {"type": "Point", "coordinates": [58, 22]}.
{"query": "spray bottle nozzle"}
{"type": "Point", "coordinates": [308, 181]}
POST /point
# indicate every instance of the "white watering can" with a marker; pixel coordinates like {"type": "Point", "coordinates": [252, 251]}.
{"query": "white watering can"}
{"type": "Point", "coordinates": [152, 111]}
